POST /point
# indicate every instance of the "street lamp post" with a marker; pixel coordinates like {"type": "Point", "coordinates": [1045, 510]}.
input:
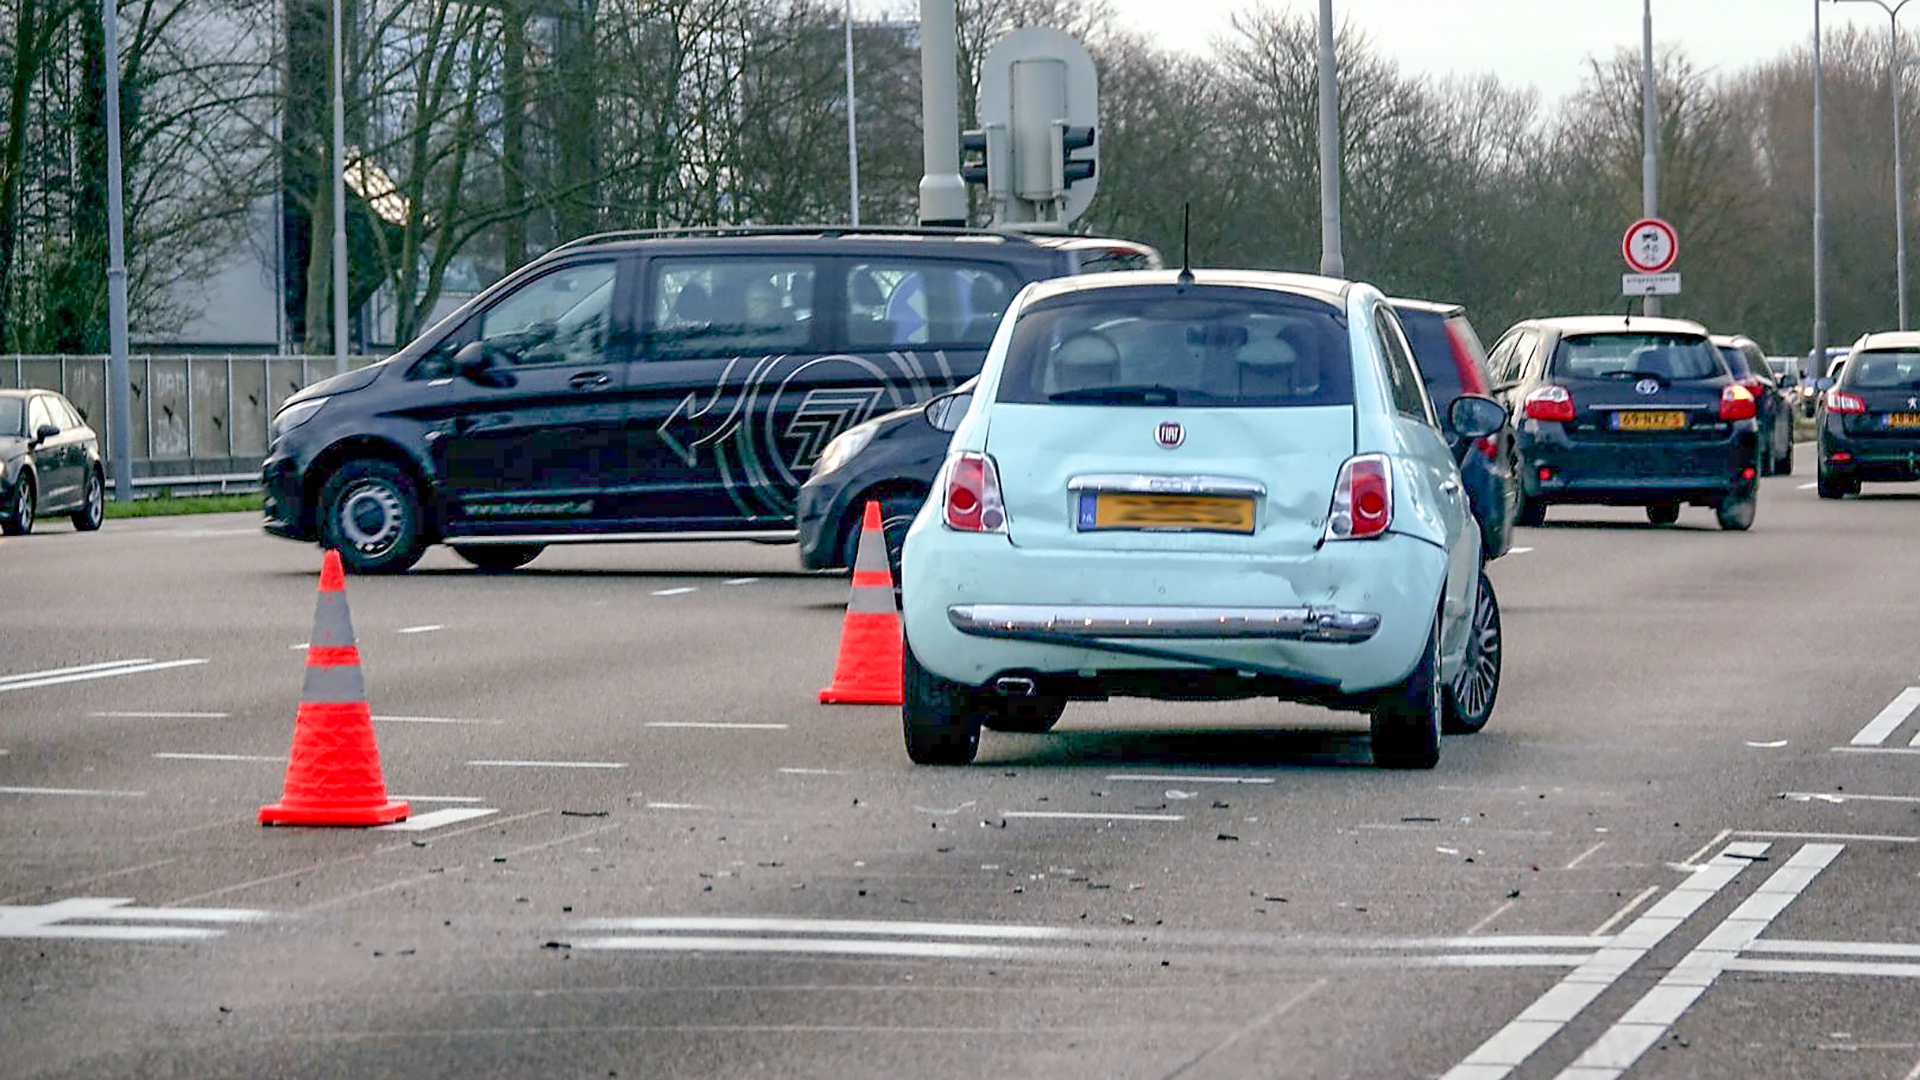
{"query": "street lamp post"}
{"type": "Point", "coordinates": [1332, 263]}
{"type": "Point", "coordinates": [1894, 76]}
{"type": "Point", "coordinates": [853, 152]}
{"type": "Point", "coordinates": [1819, 355]}
{"type": "Point", "coordinates": [340, 197]}
{"type": "Point", "coordinates": [1649, 163]}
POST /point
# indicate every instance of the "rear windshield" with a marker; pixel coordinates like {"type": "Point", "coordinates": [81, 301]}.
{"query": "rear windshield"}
{"type": "Point", "coordinates": [12, 415]}
{"type": "Point", "coordinates": [1204, 346]}
{"type": "Point", "coordinates": [1636, 356]}
{"type": "Point", "coordinates": [1890, 370]}
{"type": "Point", "coordinates": [1736, 361]}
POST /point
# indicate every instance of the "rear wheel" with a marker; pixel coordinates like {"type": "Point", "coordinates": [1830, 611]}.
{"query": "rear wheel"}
{"type": "Point", "coordinates": [1783, 465]}
{"type": "Point", "coordinates": [1407, 718]}
{"type": "Point", "coordinates": [1831, 487]}
{"type": "Point", "coordinates": [1532, 513]}
{"type": "Point", "coordinates": [498, 558]}
{"type": "Point", "coordinates": [1663, 513]}
{"type": "Point", "coordinates": [1736, 513]}
{"type": "Point", "coordinates": [17, 520]}
{"type": "Point", "coordinates": [93, 506]}
{"type": "Point", "coordinates": [370, 513]}
{"type": "Point", "coordinates": [940, 719]}
{"type": "Point", "coordinates": [1470, 699]}
{"type": "Point", "coordinates": [1027, 715]}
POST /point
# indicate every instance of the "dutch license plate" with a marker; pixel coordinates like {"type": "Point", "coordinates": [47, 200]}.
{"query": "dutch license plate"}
{"type": "Point", "coordinates": [1901, 420]}
{"type": "Point", "coordinates": [1649, 420]}
{"type": "Point", "coordinates": [1190, 513]}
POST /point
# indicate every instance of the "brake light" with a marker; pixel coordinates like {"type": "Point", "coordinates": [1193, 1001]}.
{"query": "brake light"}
{"type": "Point", "coordinates": [1736, 403]}
{"type": "Point", "coordinates": [1362, 499]}
{"type": "Point", "coordinates": [1550, 403]}
{"type": "Point", "coordinates": [1839, 401]}
{"type": "Point", "coordinates": [1840, 457]}
{"type": "Point", "coordinates": [973, 502]}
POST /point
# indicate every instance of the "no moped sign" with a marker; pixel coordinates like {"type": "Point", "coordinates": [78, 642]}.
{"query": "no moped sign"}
{"type": "Point", "coordinates": [1650, 246]}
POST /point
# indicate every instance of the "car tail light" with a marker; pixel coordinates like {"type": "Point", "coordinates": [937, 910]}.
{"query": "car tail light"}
{"type": "Point", "coordinates": [973, 502]}
{"type": "Point", "coordinates": [1840, 457]}
{"type": "Point", "coordinates": [1748, 473]}
{"type": "Point", "coordinates": [1755, 386]}
{"type": "Point", "coordinates": [1736, 403]}
{"type": "Point", "coordinates": [1362, 499]}
{"type": "Point", "coordinates": [1550, 403]}
{"type": "Point", "coordinates": [1839, 401]}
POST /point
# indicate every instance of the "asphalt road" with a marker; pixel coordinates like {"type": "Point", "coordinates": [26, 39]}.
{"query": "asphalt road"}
{"type": "Point", "coordinates": [1686, 845]}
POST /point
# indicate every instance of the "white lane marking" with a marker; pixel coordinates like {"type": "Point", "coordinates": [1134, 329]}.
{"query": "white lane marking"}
{"type": "Point", "coordinates": [52, 920]}
{"type": "Point", "coordinates": [675, 806]}
{"type": "Point", "coordinates": [505, 764]}
{"type": "Point", "coordinates": [1616, 1050]}
{"type": "Point", "coordinates": [681, 591]}
{"type": "Point", "coordinates": [437, 798]}
{"type": "Point", "coordinates": [1518, 550]}
{"type": "Point", "coordinates": [431, 720]}
{"type": "Point", "coordinates": [1836, 948]}
{"type": "Point", "coordinates": [1826, 967]}
{"type": "Point", "coordinates": [791, 771]}
{"type": "Point", "coordinates": [1830, 797]}
{"type": "Point", "coordinates": [427, 629]}
{"type": "Point", "coordinates": [1582, 857]}
{"type": "Point", "coordinates": [166, 715]}
{"type": "Point", "coordinates": [1171, 779]}
{"type": "Point", "coordinates": [1496, 913]}
{"type": "Point", "coordinates": [1774, 745]}
{"type": "Point", "coordinates": [1895, 714]}
{"type": "Point", "coordinates": [69, 791]}
{"type": "Point", "coordinates": [1862, 837]}
{"type": "Point", "coordinates": [50, 672]}
{"type": "Point", "coordinates": [1692, 861]}
{"type": "Point", "coordinates": [434, 819]}
{"type": "Point", "coordinates": [1067, 815]}
{"type": "Point", "coordinates": [219, 757]}
{"type": "Point", "coordinates": [716, 724]}
{"type": "Point", "coordinates": [1614, 919]}
{"type": "Point", "coordinates": [923, 950]}
{"type": "Point", "coordinates": [1502, 960]}
{"type": "Point", "coordinates": [1807, 487]}
{"type": "Point", "coordinates": [1513, 1044]}
{"type": "Point", "coordinates": [740, 581]}
{"type": "Point", "coordinates": [878, 927]}
{"type": "Point", "coordinates": [302, 645]}
{"type": "Point", "coordinates": [107, 673]}
{"type": "Point", "coordinates": [1874, 750]}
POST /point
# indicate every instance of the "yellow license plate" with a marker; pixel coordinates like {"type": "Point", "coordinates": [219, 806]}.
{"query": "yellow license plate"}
{"type": "Point", "coordinates": [1903, 420]}
{"type": "Point", "coordinates": [1649, 420]}
{"type": "Point", "coordinates": [1201, 513]}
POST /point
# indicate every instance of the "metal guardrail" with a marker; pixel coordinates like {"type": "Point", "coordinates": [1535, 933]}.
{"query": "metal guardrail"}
{"type": "Point", "coordinates": [199, 420]}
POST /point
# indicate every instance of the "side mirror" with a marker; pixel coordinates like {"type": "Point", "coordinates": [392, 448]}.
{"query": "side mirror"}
{"type": "Point", "coordinates": [43, 433]}
{"type": "Point", "coordinates": [472, 359]}
{"type": "Point", "coordinates": [1476, 417]}
{"type": "Point", "coordinates": [946, 411]}
{"type": "Point", "coordinates": [1823, 383]}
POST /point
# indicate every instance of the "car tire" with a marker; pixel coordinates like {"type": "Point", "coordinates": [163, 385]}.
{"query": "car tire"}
{"type": "Point", "coordinates": [93, 504]}
{"type": "Point", "coordinates": [1533, 513]}
{"type": "Point", "coordinates": [1783, 465]}
{"type": "Point", "coordinates": [498, 558]}
{"type": "Point", "coordinates": [1025, 715]}
{"type": "Point", "coordinates": [1735, 514]}
{"type": "Point", "coordinates": [1407, 718]}
{"type": "Point", "coordinates": [1831, 488]}
{"type": "Point", "coordinates": [370, 513]}
{"type": "Point", "coordinates": [1471, 696]}
{"type": "Point", "coordinates": [940, 719]}
{"type": "Point", "coordinates": [897, 511]}
{"type": "Point", "coordinates": [18, 520]}
{"type": "Point", "coordinates": [1664, 513]}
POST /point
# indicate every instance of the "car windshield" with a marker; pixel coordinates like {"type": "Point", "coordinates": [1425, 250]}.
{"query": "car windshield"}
{"type": "Point", "coordinates": [1636, 356]}
{"type": "Point", "coordinates": [1202, 346]}
{"type": "Point", "coordinates": [1884, 371]}
{"type": "Point", "coordinates": [1736, 361]}
{"type": "Point", "coordinates": [12, 415]}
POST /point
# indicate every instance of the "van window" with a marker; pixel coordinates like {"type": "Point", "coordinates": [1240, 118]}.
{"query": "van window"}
{"type": "Point", "coordinates": [923, 303]}
{"type": "Point", "coordinates": [730, 307]}
{"type": "Point", "coordinates": [557, 318]}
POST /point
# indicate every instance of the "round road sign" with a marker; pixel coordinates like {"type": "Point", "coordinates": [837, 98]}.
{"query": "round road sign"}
{"type": "Point", "coordinates": [1650, 246]}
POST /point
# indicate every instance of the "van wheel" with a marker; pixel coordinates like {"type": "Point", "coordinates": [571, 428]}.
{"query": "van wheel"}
{"type": "Point", "coordinates": [498, 558]}
{"type": "Point", "coordinates": [1026, 715]}
{"type": "Point", "coordinates": [1407, 718]}
{"type": "Point", "coordinates": [1663, 513]}
{"type": "Point", "coordinates": [370, 514]}
{"type": "Point", "coordinates": [941, 719]}
{"type": "Point", "coordinates": [1470, 699]}
{"type": "Point", "coordinates": [1736, 513]}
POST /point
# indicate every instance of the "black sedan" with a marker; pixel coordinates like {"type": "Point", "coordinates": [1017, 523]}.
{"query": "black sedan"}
{"type": "Point", "coordinates": [1748, 365]}
{"type": "Point", "coordinates": [49, 462]}
{"type": "Point", "coordinates": [1870, 420]}
{"type": "Point", "coordinates": [1453, 362]}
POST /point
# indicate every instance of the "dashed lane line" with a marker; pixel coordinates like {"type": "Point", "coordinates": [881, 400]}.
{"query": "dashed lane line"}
{"type": "Point", "coordinates": [1835, 797]}
{"type": "Point", "coordinates": [716, 724]}
{"type": "Point", "coordinates": [681, 591]}
{"type": "Point", "coordinates": [431, 720]}
{"type": "Point", "coordinates": [71, 791]}
{"type": "Point", "coordinates": [1156, 778]}
{"type": "Point", "coordinates": [435, 819]}
{"type": "Point", "coordinates": [34, 680]}
{"type": "Point", "coordinates": [165, 715]}
{"type": "Point", "coordinates": [173, 756]}
{"type": "Point", "coordinates": [427, 629]}
{"type": "Point", "coordinates": [510, 764]}
{"type": "Point", "coordinates": [1074, 815]}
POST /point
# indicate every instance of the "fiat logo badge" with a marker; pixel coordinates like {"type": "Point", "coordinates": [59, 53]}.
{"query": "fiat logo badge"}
{"type": "Point", "coordinates": [1648, 387]}
{"type": "Point", "coordinates": [1170, 434]}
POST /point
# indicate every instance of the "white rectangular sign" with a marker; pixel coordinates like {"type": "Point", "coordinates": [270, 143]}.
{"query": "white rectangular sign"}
{"type": "Point", "coordinates": [1650, 284]}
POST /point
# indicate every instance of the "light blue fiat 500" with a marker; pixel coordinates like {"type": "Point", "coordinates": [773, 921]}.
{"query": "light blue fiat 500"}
{"type": "Point", "coordinates": [1211, 485]}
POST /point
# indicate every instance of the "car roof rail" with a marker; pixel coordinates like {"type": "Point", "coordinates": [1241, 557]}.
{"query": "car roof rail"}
{"type": "Point", "coordinates": [617, 235]}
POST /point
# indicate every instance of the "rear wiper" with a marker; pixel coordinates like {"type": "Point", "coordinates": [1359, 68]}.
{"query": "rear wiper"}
{"type": "Point", "coordinates": [1120, 395]}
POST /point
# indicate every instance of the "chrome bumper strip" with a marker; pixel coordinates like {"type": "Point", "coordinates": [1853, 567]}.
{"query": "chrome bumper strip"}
{"type": "Point", "coordinates": [1104, 621]}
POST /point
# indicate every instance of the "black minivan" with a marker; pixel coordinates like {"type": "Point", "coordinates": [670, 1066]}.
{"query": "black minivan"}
{"type": "Point", "coordinates": [645, 386]}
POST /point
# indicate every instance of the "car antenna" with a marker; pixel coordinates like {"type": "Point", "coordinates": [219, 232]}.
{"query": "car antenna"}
{"type": "Point", "coordinates": [1186, 245]}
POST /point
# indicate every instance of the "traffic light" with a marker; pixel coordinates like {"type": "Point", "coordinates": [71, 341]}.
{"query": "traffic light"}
{"type": "Point", "coordinates": [974, 169]}
{"type": "Point", "coordinates": [1075, 138]}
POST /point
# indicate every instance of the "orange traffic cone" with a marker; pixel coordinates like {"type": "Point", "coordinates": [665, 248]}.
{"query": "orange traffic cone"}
{"type": "Point", "coordinates": [333, 775]}
{"type": "Point", "coordinates": [868, 669]}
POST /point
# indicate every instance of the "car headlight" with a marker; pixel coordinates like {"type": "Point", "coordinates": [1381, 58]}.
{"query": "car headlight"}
{"type": "Point", "coordinates": [843, 447]}
{"type": "Point", "coordinates": [293, 416]}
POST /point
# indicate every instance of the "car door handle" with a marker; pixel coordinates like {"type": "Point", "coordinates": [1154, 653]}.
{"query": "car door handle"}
{"type": "Point", "coordinates": [1451, 487]}
{"type": "Point", "coordinates": [589, 380]}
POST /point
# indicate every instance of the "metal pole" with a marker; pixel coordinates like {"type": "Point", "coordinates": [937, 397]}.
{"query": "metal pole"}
{"type": "Point", "coordinates": [339, 197]}
{"type": "Point", "coordinates": [1818, 361]}
{"type": "Point", "coordinates": [1331, 262]}
{"type": "Point", "coordinates": [943, 195]}
{"type": "Point", "coordinates": [1896, 73]}
{"type": "Point", "coordinates": [1649, 163]}
{"type": "Point", "coordinates": [119, 407]}
{"type": "Point", "coordinates": [853, 143]}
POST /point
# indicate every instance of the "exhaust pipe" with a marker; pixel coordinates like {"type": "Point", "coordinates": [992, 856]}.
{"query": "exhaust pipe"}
{"type": "Point", "coordinates": [1015, 686]}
